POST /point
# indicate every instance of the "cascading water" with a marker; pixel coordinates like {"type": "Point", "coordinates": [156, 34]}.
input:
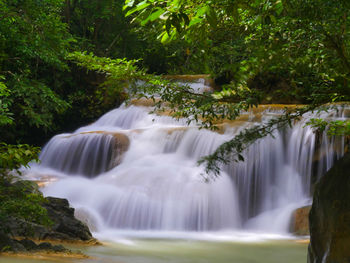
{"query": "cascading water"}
{"type": "Point", "coordinates": [156, 184]}
{"type": "Point", "coordinates": [87, 154]}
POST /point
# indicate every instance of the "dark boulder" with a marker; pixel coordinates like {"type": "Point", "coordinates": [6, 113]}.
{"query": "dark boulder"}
{"type": "Point", "coordinates": [28, 244]}
{"type": "Point", "coordinates": [66, 226]}
{"type": "Point", "coordinates": [59, 248]}
{"type": "Point", "coordinates": [9, 244]}
{"type": "Point", "coordinates": [46, 246]}
{"type": "Point", "coordinates": [63, 227]}
{"type": "Point", "coordinates": [330, 216]}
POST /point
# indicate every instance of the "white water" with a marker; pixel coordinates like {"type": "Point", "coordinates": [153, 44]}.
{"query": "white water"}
{"type": "Point", "coordinates": [158, 187]}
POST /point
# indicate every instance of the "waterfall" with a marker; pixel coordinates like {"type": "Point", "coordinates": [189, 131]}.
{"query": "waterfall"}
{"type": "Point", "coordinates": [132, 170]}
{"type": "Point", "coordinates": [85, 154]}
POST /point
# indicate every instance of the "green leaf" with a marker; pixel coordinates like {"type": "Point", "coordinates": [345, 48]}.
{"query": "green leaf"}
{"type": "Point", "coordinates": [156, 15]}
{"type": "Point", "coordinates": [202, 11]}
{"type": "Point", "coordinates": [139, 7]}
{"type": "Point", "coordinates": [165, 38]}
{"type": "Point", "coordinates": [195, 21]}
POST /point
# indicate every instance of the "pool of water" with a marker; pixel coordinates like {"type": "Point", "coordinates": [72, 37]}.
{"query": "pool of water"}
{"type": "Point", "coordinates": [158, 250]}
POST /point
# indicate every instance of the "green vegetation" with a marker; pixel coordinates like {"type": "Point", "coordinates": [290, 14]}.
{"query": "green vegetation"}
{"type": "Point", "coordinates": [19, 200]}
{"type": "Point", "coordinates": [338, 127]}
{"type": "Point", "coordinates": [263, 51]}
{"type": "Point", "coordinates": [33, 43]}
{"type": "Point", "coordinates": [305, 44]}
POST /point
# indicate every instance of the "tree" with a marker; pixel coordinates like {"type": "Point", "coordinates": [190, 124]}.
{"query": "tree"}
{"type": "Point", "coordinates": [33, 44]}
{"type": "Point", "coordinates": [305, 42]}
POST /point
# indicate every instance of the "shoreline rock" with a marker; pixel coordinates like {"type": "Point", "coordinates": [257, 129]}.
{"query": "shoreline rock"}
{"type": "Point", "coordinates": [65, 226]}
{"type": "Point", "coordinates": [15, 246]}
{"type": "Point", "coordinates": [330, 216]}
{"type": "Point", "coordinates": [20, 236]}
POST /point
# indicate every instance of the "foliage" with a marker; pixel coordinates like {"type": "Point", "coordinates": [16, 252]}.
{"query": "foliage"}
{"type": "Point", "coordinates": [32, 35]}
{"type": "Point", "coordinates": [20, 200]}
{"type": "Point", "coordinates": [303, 41]}
{"type": "Point", "coordinates": [206, 109]}
{"type": "Point", "coordinates": [117, 74]}
{"type": "Point", "coordinates": [100, 27]}
{"type": "Point", "coordinates": [301, 47]}
{"type": "Point", "coordinates": [5, 114]}
{"type": "Point", "coordinates": [180, 100]}
{"type": "Point", "coordinates": [337, 127]}
{"type": "Point", "coordinates": [119, 70]}
{"type": "Point", "coordinates": [34, 102]}
{"type": "Point", "coordinates": [12, 157]}
{"type": "Point", "coordinates": [33, 44]}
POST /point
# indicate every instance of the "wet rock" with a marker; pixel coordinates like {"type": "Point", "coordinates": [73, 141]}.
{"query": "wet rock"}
{"type": "Point", "coordinates": [21, 228]}
{"type": "Point", "coordinates": [122, 144]}
{"type": "Point", "coordinates": [119, 145]}
{"type": "Point", "coordinates": [28, 244]}
{"type": "Point", "coordinates": [45, 246]}
{"type": "Point", "coordinates": [330, 216]}
{"type": "Point", "coordinates": [9, 244]}
{"type": "Point", "coordinates": [300, 221]}
{"type": "Point", "coordinates": [66, 226]}
{"type": "Point", "coordinates": [59, 248]}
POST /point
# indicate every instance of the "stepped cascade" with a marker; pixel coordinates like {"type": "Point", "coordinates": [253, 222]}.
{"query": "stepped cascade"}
{"type": "Point", "coordinates": [131, 170]}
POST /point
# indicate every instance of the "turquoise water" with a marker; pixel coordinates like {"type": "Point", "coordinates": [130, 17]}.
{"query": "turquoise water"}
{"type": "Point", "coordinates": [185, 251]}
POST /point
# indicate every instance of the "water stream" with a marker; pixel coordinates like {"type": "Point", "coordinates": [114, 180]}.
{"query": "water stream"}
{"type": "Point", "coordinates": [134, 174]}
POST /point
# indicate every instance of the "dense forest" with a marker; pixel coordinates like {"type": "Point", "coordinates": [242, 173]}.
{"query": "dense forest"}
{"type": "Point", "coordinates": [63, 63]}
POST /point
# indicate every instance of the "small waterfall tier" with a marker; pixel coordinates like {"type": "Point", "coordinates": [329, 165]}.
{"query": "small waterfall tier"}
{"type": "Point", "coordinates": [131, 170]}
{"type": "Point", "coordinates": [87, 154]}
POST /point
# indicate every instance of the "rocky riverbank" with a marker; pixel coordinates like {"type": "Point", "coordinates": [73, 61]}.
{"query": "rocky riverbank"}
{"type": "Point", "coordinates": [18, 235]}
